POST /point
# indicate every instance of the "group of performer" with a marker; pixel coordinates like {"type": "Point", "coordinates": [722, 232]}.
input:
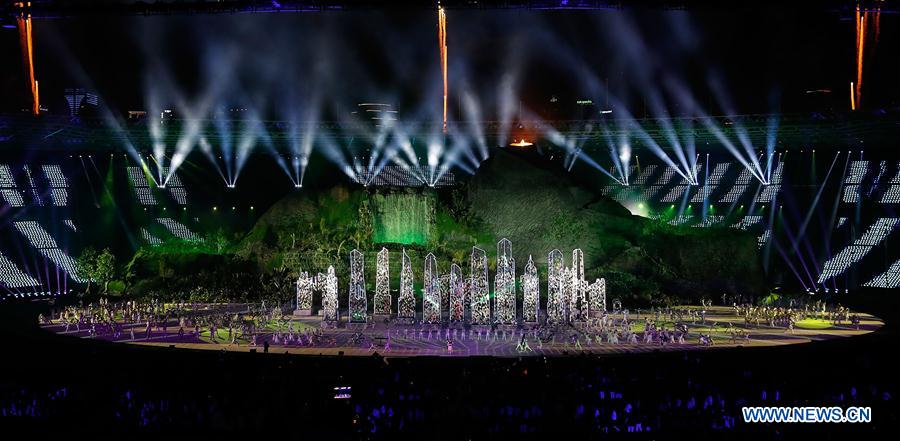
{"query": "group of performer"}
{"type": "Point", "coordinates": [787, 316]}
{"type": "Point", "coordinates": [253, 324]}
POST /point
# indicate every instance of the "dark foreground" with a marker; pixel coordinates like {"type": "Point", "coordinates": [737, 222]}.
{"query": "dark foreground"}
{"type": "Point", "coordinates": [54, 385]}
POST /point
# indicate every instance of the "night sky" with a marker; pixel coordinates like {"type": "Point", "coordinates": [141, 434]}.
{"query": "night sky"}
{"type": "Point", "coordinates": [276, 63]}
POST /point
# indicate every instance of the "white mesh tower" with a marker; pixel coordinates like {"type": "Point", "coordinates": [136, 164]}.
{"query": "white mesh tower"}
{"type": "Point", "coordinates": [578, 299]}
{"type": "Point", "coordinates": [431, 298]}
{"type": "Point", "coordinates": [504, 248]}
{"type": "Point", "coordinates": [597, 297]}
{"type": "Point", "coordinates": [330, 296]}
{"type": "Point", "coordinates": [358, 305]}
{"type": "Point", "coordinates": [555, 304]}
{"type": "Point", "coordinates": [457, 294]}
{"type": "Point", "coordinates": [444, 292]}
{"type": "Point", "coordinates": [504, 292]}
{"type": "Point", "coordinates": [505, 284]}
{"type": "Point", "coordinates": [406, 303]}
{"type": "Point", "coordinates": [478, 282]}
{"type": "Point", "coordinates": [568, 276]}
{"type": "Point", "coordinates": [530, 293]}
{"type": "Point", "coordinates": [382, 298]}
{"type": "Point", "coordinates": [305, 286]}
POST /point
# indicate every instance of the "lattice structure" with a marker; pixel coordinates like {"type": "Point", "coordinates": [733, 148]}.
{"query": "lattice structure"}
{"type": "Point", "coordinates": [141, 186]}
{"type": "Point", "coordinates": [12, 277]}
{"type": "Point", "coordinates": [858, 171]}
{"type": "Point", "coordinates": [556, 303]}
{"type": "Point", "coordinates": [382, 298]}
{"type": "Point", "coordinates": [646, 172]}
{"type": "Point", "coordinates": [739, 187]}
{"type": "Point", "coordinates": [401, 176]}
{"type": "Point", "coordinates": [457, 294]}
{"type": "Point", "coordinates": [712, 182]}
{"type": "Point", "coordinates": [681, 219]}
{"type": "Point", "coordinates": [678, 192]}
{"type": "Point", "coordinates": [8, 188]}
{"type": "Point", "coordinates": [892, 194]}
{"type": "Point", "coordinates": [888, 279]}
{"type": "Point", "coordinates": [70, 224]}
{"type": "Point", "coordinates": [330, 297]}
{"type": "Point", "coordinates": [531, 295]}
{"type": "Point", "coordinates": [175, 187]}
{"type": "Point", "coordinates": [406, 303]}
{"type": "Point", "coordinates": [357, 296]}
{"type": "Point", "coordinates": [763, 238]}
{"type": "Point", "coordinates": [178, 229]}
{"type": "Point", "coordinates": [578, 307]}
{"type": "Point", "coordinates": [709, 220]}
{"type": "Point", "coordinates": [747, 221]}
{"type": "Point", "coordinates": [35, 193]}
{"type": "Point", "coordinates": [479, 294]}
{"type": "Point", "coordinates": [431, 298]}
{"type": "Point", "coordinates": [769, 191]}
{"type": "Point", "coordinates": [597, 297]}
{"type": "Point", "coordinates": [662, 182]}
{"type": "Point", "coordinates": [58, 184]}
{"type": "Point", "coordinates": [305, 287]}
{"type": "Point", "coordinates": [40, 239]}
{"type": "Point", "coordinates": [876, 233]}
{"type": "Point", "coordinates": [150, 238]}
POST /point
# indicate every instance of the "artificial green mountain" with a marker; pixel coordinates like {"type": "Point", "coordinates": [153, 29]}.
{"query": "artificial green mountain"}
{"type": "Point", "coordinates": [510, 196]}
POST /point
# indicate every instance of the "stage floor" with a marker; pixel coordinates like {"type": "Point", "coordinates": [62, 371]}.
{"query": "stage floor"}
{"type": "Point", "coordinates": [430, 340]}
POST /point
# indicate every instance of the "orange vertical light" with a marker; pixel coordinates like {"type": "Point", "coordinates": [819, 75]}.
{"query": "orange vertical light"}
{"type": "Point", "coordinates": [877, 23]}
{"type": "Point", "coordinates": [860, 51]}
{"type": "Point", "coordinates": [442, 43]}
{"type": "Point", "coordinates": [25, 40]}
{"type": "Point", "coordinates": [852, 98]}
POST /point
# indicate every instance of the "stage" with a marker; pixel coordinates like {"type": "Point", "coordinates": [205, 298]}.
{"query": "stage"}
{"type": "Point", "coordinates": [722, 324]}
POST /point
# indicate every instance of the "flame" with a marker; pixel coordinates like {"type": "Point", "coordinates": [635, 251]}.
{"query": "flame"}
{"type": "Point", "coordinates": [521, 143]}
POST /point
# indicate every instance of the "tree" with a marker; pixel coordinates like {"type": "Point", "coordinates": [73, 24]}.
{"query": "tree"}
{"type": "Point", "coordinates": [86, 266]}
{"type": "Point", "coordinates": [105, 268]}
{"type": "Point", "coordinates": [96, 267]}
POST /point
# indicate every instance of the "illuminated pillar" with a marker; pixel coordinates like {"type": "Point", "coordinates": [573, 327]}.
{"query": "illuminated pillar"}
{"type": "Point", "coordinates": [597, 297]}
{"type": "Point", "coordinates": [406, 303]}
{"type": "Point", "coordinates": [567, 292]}
{"type": "Point", "coordinates": [330, 297]}
{"type": "Point", "coordinates": [505, 292]}
{"type": "Point", "coordinates": [530, 293]}
{"type": "Point", "coordinates": [479, 294]}
{"type": "Point", "coordinates": [382, 298]}
{"type": "Point", "coordinates": [305, 286]}
{"type": "Point", "coordinates": [358, 305]}
{"type": "Point", "coordinates": [457, 294]}
{"type": "Point", "coordinates": [555, 302]}
{"type": "Point", "coordinates": [431, 298]}
{"type": "Point", "coordinates": [577, 298]}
